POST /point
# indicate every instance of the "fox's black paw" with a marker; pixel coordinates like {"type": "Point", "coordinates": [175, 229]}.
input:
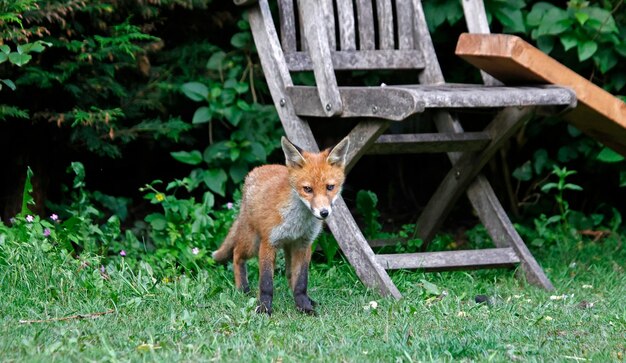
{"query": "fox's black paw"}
{"type": "Point", "coordinates": [305, 304]}
{"type": "Point", "coordinates": [264, 308]}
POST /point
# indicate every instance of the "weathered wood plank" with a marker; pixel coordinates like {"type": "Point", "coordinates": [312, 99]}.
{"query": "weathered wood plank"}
{"type": "Point", "coordinates": [361, 60]}
{"type": "Point", "coordinates": [381, 102]}
{"type": "Point", "coordinates": [489, 257]}
{"type": "Point", "coordinates": [329, 20]}
{"type": "Point", "coordinates": [398, 102]}
{"type": "Point", "coordinates": [277, 75]}
{"type": "Point", "coordinates": [365, 17]}
{"type": "Point", "coordinates": [428, 143]}
{"type": "Point", "coordinates": [404, 15]}
{"type": "Point", "coordinates": [286, 17]}
{"type": "Point", "coordinates": [358, 252]}
{"type": "Point", "coordinates": [385, 24]}
{"type": "Point", "coordinates": [345, 16]}
{"type": "Point", "coordinates": [472, 96]}
{"type": "Point", "coordinates": [512, 60]}
{"type": "Point", "coordinates": [317, 40]}
{"type": "Point", "coordinates": [362, 136]}
{"type": "Point", "coordinates": [476, 20]}
{"type": "Point", "coordinates": [504, 125]}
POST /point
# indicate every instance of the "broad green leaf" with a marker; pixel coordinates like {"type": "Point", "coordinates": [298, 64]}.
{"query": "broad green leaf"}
{"type": "Point", "coordinates": [217, 151]}
{"type": "Point", "coordinates": [540, 161]}
{"type": "Point", "coordinates": [5, 49]}
{"type": "Point", "coordinates": [537, 13]}
{"type": "Point", "coordinates": [545, 43]}
{"type": "Point", "coordinates": [19, 59]}
{"type": "Point", "coordinates": [216, 61]}
{"type": "Point", "coordinates": [241, 87]}
{"type": "Point", "coordinates": [605, 59]}
{"type": "Point", "coordinates": [196, 91]}
{"type": "Point", "coordinates": [621, 49]}
{"type": "Point", "coordinates": [192, 158]}
{"type": "Point", "coordinates": [157, 221]}
{"type": "Point", "coordinates": [586, 49]}
{"type": "Point", "coordinates": [607, 155]}
{"type": "Point", "coordinates": [566, 153]}
{"type": "Point", "coordinates": [600, 19]}
{"type": "Point", "coordinates": [581, 17]}
{"type": "Point", "coordinates": [511, 18]}
{"type": "Point", "coordinates": [258, 151]}
{"type": "Point", "coordinates": [30, 47]}
{"type": "Point", "coordinates": [216, 179]}
{"type": "Point", "coordinates": [524, 172]}
{"type": "Point", "coordinates": [202, 115]}
{"type": "Point", "coordinates": [237, 172]}
{"type": "Point", "coordinates": [573, 131]}
{"type": "Point", "coordinates": [240, 40]}
{"type": "Point", "coordinates": [208, 200]}
{"type": "Point", "coordinates": [569, 41]}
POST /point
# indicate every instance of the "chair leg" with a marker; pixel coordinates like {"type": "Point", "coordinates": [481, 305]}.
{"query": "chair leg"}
{"type": "Point", "coordinates": [358, 252]}
{"type": "Point", "coordinates": [502, 232]}
{"type": "Point", "coordinates": [463, 172]}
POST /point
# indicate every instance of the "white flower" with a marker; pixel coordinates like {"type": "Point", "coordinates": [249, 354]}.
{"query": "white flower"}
{"type": "Point", "coordinates": [195, 250]}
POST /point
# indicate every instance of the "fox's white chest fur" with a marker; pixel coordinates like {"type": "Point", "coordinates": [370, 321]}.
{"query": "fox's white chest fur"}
{"type": "Point", "coordinates": [298, 224]}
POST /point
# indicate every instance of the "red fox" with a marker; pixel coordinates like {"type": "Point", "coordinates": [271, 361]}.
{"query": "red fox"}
{"type": "Point", "coordinates": [284, 207]}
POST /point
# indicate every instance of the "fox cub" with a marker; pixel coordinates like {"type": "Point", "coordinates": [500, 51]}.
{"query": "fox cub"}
{"type": "Point", "coordinates": [283, 207]}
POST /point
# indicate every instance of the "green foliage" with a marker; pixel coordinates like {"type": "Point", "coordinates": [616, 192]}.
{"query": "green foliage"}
{"type": "Point", "coordinates": [366, 202]}
{"type": "Point", "coordinates": [185, 231]}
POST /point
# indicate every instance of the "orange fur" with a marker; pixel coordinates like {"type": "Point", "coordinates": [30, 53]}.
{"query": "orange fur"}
{"type": "Point", "coordinates": [283, 207]}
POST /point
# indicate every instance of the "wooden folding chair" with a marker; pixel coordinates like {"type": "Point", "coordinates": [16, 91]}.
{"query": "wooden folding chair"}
{"type": "Point", "coordinates": [326, 36]}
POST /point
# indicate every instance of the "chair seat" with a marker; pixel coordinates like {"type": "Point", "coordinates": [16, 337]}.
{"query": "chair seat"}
{"type": "Point", "coordinates": [396, 103]}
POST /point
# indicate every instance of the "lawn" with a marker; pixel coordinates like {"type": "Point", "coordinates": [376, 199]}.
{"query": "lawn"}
{"type": "Point", "coordinates": [202, 318]}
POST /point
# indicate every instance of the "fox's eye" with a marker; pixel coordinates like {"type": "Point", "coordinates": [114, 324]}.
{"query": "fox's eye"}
{"type": "Point", "coordinates": [330, 187]}
{"type": "Point", "coordinates": [307, 189]}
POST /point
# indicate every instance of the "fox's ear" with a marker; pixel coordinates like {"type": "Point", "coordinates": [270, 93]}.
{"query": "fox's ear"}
{"type": "Point", "coordinates": [293, 158]}
{"type": "Point", "coordinates": [338, 154]}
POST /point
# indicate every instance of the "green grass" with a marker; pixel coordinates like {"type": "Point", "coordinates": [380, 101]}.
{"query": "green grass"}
{"type": "Point", "coordinates": [202, 318]}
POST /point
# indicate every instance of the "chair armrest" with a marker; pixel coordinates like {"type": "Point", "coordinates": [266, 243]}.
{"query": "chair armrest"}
{"type": "Point", "coordinates": [245, 2]}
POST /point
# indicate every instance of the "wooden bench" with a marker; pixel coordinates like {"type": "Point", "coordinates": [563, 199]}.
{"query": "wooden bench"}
{"type": "Point", "coordinates": [325, 36]}
{"type": "Point", "coordinates": [513, 61]}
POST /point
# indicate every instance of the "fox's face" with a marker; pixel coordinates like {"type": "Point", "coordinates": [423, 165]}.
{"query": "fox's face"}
{"type": "Point", "coordinates": [317, 178]}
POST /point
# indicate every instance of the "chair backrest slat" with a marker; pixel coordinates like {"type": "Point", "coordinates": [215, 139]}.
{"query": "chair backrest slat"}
{"type": "Point", "coordinates": [405, 24]}
{"type": "Point", "coordinates": [287, 18]}
{"type": "Point", "coordinates": [385, 24]}
{"type": "Point", "coordinates": [329, 22]}
{"type": "Point", "coordinates": [365, 17]}
{"type": "Point", "coordinates": [362, 34]}
{"type": "Point", "coordinates": [345, 15]}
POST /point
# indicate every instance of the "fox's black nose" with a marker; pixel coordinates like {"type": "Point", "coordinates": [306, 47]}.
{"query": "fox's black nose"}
{"type": "Point", "coordinates": [324, 213]}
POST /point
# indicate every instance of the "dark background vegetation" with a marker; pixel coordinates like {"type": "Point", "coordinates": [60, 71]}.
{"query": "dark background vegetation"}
{"type": "Point", "coordinates": [172, 90]}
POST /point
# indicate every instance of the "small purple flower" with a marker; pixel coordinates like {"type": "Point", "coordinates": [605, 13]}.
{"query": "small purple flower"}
{"type": "Point", "coordinates": [102, 269]}
{"type": "Point", "coordinates": [195, 250]}
{"type": "Point", "coordinates": [54, 217]}
{"type": "Point", "coordinates": [229, 205]}
{"type": "Point", "coordinates": [122, 253]}
{"type": "Point", "coordinates": [29, 218]}
{"type": "Point", "coordinates": [46, 232]}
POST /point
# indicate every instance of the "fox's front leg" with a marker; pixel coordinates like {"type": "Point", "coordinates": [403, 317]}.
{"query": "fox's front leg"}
{"type": "Point", "coordinates": [267, 256]}
{"type": "Point", "coordinates": [300, 257]}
